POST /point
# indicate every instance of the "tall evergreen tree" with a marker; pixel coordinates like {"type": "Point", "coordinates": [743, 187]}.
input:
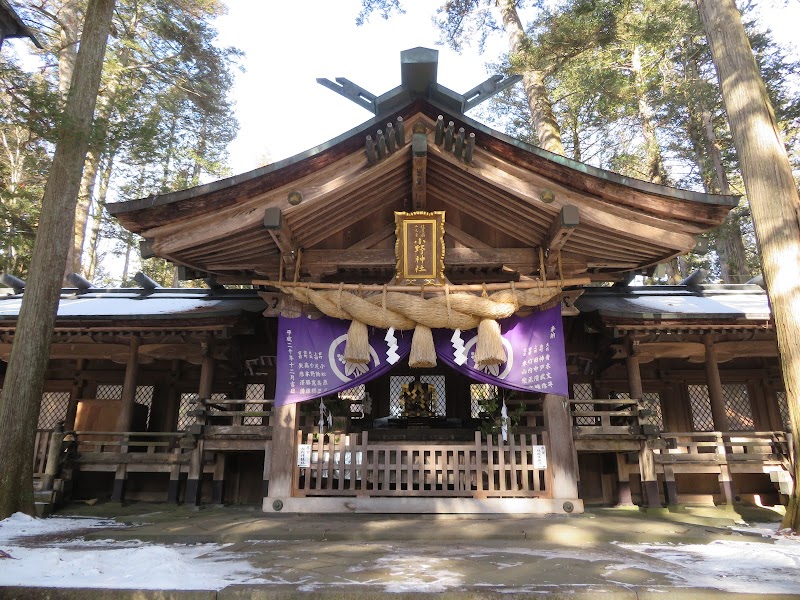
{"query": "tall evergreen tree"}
{"type": "Point", "coordinates": [24, 381]}
{"type": "Point", "coordinates": [772, 192]}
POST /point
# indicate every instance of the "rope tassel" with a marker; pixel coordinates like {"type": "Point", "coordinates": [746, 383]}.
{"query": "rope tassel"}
{"type": "Point", "coordinates": [423, 350]}
{"type": "Point", "coordinates": [356, 350]}
{"type": "Point", "coordinates": [489, 349]}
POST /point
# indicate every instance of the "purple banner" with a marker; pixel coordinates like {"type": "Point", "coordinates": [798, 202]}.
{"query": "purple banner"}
{"type": "Point", "coordinates": [311, 358]}
{"type": "Point", "coordinates": [535, 356]}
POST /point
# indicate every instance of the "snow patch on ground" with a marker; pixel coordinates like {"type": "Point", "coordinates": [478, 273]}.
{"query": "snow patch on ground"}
{"type": "Point", "coordinates": [20, 525]}
{"type": "Point", "coordinates": [52, 553]}
{"type": "Point", "coordinates": [36, 560]}
{"type": "Point", "coordinates": [733, 566]}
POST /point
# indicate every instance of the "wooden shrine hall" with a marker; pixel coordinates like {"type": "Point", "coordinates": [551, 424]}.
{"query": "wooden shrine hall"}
{"type": "Point", "coordinates": [473, 343]}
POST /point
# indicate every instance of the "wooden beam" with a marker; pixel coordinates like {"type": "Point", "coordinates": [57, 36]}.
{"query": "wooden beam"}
{"type": "Point", "coordinates": [374, 238]}
{"type": "Point", "coordinates": [320, 262]}
{"type": "Point", "coordinates": [380, 258]}
{"type": "Point", "coordinates": [527, 186]}
{"type": "Point", "coordinates": [562, 228]}
{"type": "Point", "coordinates": [279, 231]}
{"type": "Point", "coordinates": [418, 182]}
{"type": "Point", "coordinates": [462, 237]}
{"type": "Point", "coordinates": [419, 165]}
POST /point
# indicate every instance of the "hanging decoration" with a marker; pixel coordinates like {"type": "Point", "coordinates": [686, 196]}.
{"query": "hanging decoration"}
{"type": "Point", "coordinates": [322, 411]}
{"type": "Point", "coordinates": [403, 312]}
{"type": "Point", "coordinates": [504, 421]}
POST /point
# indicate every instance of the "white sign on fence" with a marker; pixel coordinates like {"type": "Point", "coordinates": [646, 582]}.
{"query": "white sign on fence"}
{"type": "Point", "coordinates": [539, 457]}
{"type": "Point", "coordinates": [303, 455]}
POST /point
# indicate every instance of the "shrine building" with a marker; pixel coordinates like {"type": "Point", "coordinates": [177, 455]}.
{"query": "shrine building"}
{"type": "Point", "coordinates": [436, 318]}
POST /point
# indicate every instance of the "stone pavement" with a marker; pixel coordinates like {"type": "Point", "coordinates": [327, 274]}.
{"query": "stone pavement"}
{"type": "Point", "coordinates": [408, 556]}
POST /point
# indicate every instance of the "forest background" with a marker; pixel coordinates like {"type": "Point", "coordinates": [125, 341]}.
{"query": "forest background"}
{"type": "Point", "coordinates": [626, 85]}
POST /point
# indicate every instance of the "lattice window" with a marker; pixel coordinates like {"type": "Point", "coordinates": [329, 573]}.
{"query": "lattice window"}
{"type": "Point", "coordinates": [144, 396]}
{"type": "Point", "coordinates": [254, 391]}
{"type": "Point", "coordinates": [652, 401]}
{"type": "Point", "coordinates": [583, 391]}
{"type": "Point", "coordinates": [737, 407]}
{"type": "Point", "coordinates": [185, 420]}
{"type": "Point", "coordinates": [783, 406]}
{"type": "Point", "coordinates": [357, 397]}
{"type": "Point", "coordinates": [479, 393]}
{"type": "Point", "coordinates": [53, 410]}
{"type": "Point", "coordinates": [700, 403]}
{"type": "Point", "coordinates": [396, 387]}
{"type": "Point", "coordinates": [109, 392]}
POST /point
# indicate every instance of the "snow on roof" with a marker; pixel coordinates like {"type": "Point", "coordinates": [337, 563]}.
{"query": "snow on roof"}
{"type": "Point", "coordinates": [134, 303]}
{"type": "Point", "coordinates": [708, 302]}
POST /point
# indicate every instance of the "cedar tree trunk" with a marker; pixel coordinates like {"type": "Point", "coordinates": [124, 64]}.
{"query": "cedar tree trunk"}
{"type": "Point", "coordinates": [544, 121]}
{"type": "Point", "coordinates": [771, 192]}
{"type": "Point", "coordinates": [22, 391]}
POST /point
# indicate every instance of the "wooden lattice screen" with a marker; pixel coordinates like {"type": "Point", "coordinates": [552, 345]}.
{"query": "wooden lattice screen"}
{"type": "Point", "coordinates": [351, 465]}
{"type": "Point", "coordinates": [702, 418]}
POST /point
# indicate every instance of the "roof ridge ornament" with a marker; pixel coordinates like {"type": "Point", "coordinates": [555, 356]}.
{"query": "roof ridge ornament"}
{"type": "Point", "coordinates": [418, 74]}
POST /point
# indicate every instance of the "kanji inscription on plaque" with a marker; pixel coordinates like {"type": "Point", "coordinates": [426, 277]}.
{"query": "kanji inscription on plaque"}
{"type": "Point", "coordinates": [420, 247]}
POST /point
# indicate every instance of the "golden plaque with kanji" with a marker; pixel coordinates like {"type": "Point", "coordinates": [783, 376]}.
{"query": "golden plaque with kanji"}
{"type": "Point", "coordinates": [420, 247]}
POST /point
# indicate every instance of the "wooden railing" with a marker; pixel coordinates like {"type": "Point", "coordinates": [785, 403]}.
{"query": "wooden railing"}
{"type": "Point", "coordinates": [351, 465]}
{"type": "Point", "coordinates": [230, 417]}
{"type": "Point", "coordinates": [108, 446]}
{"type": "Point", "coordinates": [41, 446]}
{"type": "Point", "coordinates": [757, 447]}
{"type": "Point", "coordinates": [606, 417]}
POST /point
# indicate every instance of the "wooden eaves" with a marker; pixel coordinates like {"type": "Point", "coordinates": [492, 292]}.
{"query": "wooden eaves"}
{"type": "Point", "coordinates": [505, 208]}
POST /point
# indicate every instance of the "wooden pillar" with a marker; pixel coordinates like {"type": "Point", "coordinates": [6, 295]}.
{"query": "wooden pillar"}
{"type": "Point", "coordinates": [53, 465]}
{"type": "Point", "coordinates": [218, 483]}
{"type": "Point", "coordinates": [758, 405]}
{"type": "Point", "coordinates": [129, 386]}
{"type": "Point", "coordinates": [173, 490]}
{"type": "Point", "coordinates": [670, 485]}
{"type": "Point", "coordinates": [194, 482]}
{"type": "Point", "coordinates": [158, 406]}
{"type": "Point", "coordinates": [634, 377]}
{"type": "Point", "coordinates": [125, 417]}
{"type": "Point", "coordinates": [75, 394]}
{"type": "Point", "coordinates": [767, 397]}
{"type": "Point", "coordinates": [647, 468]}
{"type": "Point", "coordinates": [206, 375]}
{"type": "Point", "coordinates": [624, 497]}
{"type": "Point", "coordinates": [173, 398]}
{"type": "Point", "coordinates": [283, 452]}
{"type": "Point", "coordinates": [726, 484]}
{"type": "Point", "coordinates": [714, 385]}
{"type": "Point", "coordinates": [563, 459]}
{"type": "Point", "coordinates": [685, 404]}
{"type": "Point", "coordinates": [266, 476]}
